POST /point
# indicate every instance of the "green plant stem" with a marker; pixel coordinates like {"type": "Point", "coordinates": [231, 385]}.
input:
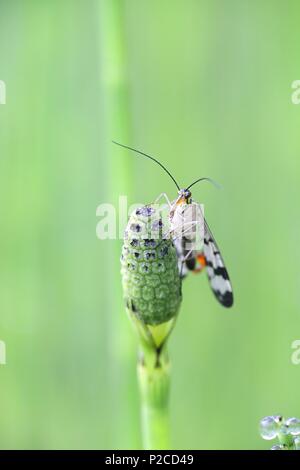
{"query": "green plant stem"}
{"type": "Point", "coordinates": [115, 102]}
{"type": "Point", "coordinates": [116, 124]}
{"type": "Point", "coordinates": [154, 382]}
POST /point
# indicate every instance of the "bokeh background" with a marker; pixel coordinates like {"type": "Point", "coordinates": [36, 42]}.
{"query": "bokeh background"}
{"type": "Point", "coordinates": [205, 85]}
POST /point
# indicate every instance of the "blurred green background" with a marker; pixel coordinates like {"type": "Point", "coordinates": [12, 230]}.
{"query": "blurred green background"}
{"type": "Point", "coordinates": [205, 85]}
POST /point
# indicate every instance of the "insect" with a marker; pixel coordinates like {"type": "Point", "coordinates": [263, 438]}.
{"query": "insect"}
{"type": "Point", "coordinates": [186, 223]}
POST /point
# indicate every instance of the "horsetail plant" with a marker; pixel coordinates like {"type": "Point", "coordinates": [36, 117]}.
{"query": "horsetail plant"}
{"type": "Point", "coordinates": [156, 256]}
{"type": "Point", "coordinates": [152, 292]}
{"type": "Point", "coordinates": [117, 118]}
{"type": "Point", "coordinates": [287, 432]}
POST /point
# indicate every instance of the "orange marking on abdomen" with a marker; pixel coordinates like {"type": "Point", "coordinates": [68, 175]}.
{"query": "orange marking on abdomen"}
{"type": "Point", "coordinates": [201, 263]}
{"type": "Point", "coordinates": [201, 259]}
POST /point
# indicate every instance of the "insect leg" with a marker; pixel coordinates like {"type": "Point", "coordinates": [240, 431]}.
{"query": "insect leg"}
{"type": "Point", "coordinates": [186, 256]}
{"type": "Point", "coordinates": [193, 223]}
{"type": "Point", "coordinates": [165, 197]}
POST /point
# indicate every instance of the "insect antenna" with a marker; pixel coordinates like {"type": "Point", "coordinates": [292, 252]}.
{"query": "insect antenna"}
{"type": "Point", "coordinates": [151, 158]}
{"type": "Point", "coordinates": [205, 179]}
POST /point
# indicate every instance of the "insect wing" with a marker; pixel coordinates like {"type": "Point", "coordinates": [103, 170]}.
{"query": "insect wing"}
{"type": "Point", "coordinates": [183, 264]}
{"type": "Point", "coordinates": [216, 270]}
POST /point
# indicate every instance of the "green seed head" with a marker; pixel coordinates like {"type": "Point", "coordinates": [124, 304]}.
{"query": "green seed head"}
{"type": "Point", "coordinates": [150, 277]}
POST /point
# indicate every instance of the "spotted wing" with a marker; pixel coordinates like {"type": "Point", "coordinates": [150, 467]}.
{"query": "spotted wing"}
{"type": "Point", "coordinates": [216, 271]}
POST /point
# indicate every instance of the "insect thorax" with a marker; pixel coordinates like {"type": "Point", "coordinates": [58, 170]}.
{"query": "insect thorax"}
{"type": "Point", "coordinates": [187, 222]}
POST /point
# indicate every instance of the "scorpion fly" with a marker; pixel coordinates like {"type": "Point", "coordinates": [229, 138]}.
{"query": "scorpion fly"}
{"type": "Point", "coordinates": [187, 225]}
